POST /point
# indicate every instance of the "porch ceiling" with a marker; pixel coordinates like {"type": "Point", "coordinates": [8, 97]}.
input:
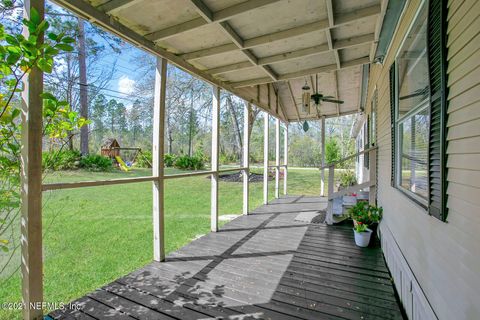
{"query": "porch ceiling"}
{"type": "Point", "coordinates": [251, 47]}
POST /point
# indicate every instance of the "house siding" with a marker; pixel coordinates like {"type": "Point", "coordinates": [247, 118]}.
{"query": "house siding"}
{"type": "Point", "coordinates": [436, 265]}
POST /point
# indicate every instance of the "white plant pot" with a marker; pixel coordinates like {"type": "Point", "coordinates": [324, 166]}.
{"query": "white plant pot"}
{"type": "Point", "coordinates": [362, 239]}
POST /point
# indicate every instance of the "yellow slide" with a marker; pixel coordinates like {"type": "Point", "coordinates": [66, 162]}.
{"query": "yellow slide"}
{"type": "Point", "coordinates": [121, 163]}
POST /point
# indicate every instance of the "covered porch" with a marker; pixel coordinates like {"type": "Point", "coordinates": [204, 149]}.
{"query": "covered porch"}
{"type": "Point", "coordinates": [265, 265]}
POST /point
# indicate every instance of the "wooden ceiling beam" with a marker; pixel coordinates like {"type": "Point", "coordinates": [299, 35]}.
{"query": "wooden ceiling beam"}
{"type": "Point", "coordinates": [258, 41]}
{"type": "Point", "coordinates": [279, 101]}
{"type": "Point", "coordinates": [337, 95]}
{"type": "Point", "coordinates": [301, 73]}
{"type": "Point", "coordinates": [293, 99]}
{"type": "Point", "coordinates": [327, 116]}
{"type": "Point", "coordinates": [207, 16]}
{"type": "Point", "coordinates": [316, 26]}
{"type": "Point", "coordinates": [286, 56]}
{"type": "Point", "coordinates": [359, 14]}
{"type": "Point", "coordinates": [116, 5]}
{"type": "Point", "coordinates": [353, 41]}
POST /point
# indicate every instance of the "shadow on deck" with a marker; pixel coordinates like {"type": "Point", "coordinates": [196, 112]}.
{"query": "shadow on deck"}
{"type": "Point", "coordinates": [261, 266]}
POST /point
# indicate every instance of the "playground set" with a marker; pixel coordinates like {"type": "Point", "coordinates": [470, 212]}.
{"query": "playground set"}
{"type": "Point", "coordinates": [111, 149]}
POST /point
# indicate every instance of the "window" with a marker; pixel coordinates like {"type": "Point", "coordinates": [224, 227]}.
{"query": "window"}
{"type": "Point", "coordinates": [412, 111]}
{"type": "Point", "coordinates": [418, 91]}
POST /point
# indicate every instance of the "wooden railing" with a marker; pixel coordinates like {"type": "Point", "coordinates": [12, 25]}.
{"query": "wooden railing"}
{"type": "Point", "coordinates": [371, 183]}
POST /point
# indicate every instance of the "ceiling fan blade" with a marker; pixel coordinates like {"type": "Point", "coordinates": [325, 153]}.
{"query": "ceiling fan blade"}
{"type": "Point", "coordinates": [333, 101]}
{"type": "Point", "coordinates": [329, 97]}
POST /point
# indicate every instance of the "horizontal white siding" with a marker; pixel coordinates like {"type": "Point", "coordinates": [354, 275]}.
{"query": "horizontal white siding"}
{"type": "Point", "coordinates": [443, 258]}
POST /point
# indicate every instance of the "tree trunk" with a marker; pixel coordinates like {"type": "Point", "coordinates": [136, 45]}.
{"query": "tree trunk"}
{"type": "Point", "coordinates": [190, 127]}
{"type": "Point", "coordinates": [69, 98]}
{"type": "Point", "coordinates": [169, 134]}
{"type": "Point", "coordinates": [82, 68]}
{"type": "Point", "coordinates": [236, 127]}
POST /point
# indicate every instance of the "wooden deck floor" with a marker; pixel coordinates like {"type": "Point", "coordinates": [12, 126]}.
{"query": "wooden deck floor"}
{"type": "Point", "coordinates": [261, 266]}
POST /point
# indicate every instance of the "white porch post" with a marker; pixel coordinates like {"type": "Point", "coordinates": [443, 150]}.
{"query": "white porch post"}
{"type": "Point", "coordinates": [214, 160]}
{"type": "Point", "coordinates": [322, 171]}
{"type": "Point", "coordinates": [31, 188]}
{"type": "Point", "coordinates": [265, 159]}
{"type": "Point", "coordinates": [277, 158]}
{"type": "Point", "coordinates": [285, 159]}
{"type": "Point", "coordinates": [246, 154]}
{"type": "Point", "coordinates": [158, 165]}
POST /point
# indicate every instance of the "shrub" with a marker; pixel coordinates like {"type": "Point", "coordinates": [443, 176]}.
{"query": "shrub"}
{"type": "Point", "coordinates": [347, 179]}
{"type": "Point", "coordinates": [144, 159]}
{"type": "Point", "coordinates": [96, 163]}
{"type": "Point", "coordinates": [227, 158]}
{"type": "Point", "coordinates": [185, 162]}
{"type": "Point", "coordinates": [169, 159]}
{"type": "Point", "coordinates": [61, 160]}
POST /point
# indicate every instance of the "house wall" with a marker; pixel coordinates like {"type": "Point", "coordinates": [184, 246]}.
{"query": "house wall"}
{"type": "Point", "coordinates": [436, 265]}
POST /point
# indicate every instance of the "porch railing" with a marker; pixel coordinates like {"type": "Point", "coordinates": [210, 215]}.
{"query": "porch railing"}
{"type": "Point", "coordinates": [371, 183]}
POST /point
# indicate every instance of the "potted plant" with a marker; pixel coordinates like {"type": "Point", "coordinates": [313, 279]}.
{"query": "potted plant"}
{"type": "Point", "coordinates": [365, 216]}
{"type": "Point", "coordinates": [362, 234]}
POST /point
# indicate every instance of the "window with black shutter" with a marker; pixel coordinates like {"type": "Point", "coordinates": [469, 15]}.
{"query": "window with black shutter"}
{"type": "Point", "coordinates": [418, 110]}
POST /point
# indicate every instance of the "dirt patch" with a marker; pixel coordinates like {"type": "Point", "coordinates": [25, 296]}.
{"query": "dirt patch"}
{"type": "Point", "coordinates": [237, 177]}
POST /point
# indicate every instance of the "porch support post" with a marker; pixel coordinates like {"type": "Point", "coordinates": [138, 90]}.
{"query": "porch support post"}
{"type": "Point", "coordinates": [285, 159]}
{"type": "Point", "coordinates": [214, 161]}
{"type": "Point", "coordinates": [158, 165]}
{"type": "Point", "coordinates": [31, 187]}
{"type": "Point", "coordinates": [246, 154]}
{"type": "Point", "coordinates": [322, 171]}
{"type": "Point", "coordinates": [265, 158]}
{"type": "Point", "coordinates": [277, 158]}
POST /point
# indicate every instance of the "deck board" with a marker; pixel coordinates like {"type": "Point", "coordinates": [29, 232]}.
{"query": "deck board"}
{"type": "Point", "coordinates": [262, 266]}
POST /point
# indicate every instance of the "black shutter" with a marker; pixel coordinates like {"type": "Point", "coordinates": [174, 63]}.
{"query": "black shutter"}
{"type": "Point", "coordinates": [437, 59]}
{"type": "Point", "coordinates": [392, 120]}
{"type": "Point", "coordinates": [366, 158]}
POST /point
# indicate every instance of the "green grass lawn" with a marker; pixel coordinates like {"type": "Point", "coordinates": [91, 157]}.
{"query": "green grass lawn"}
{"type": "Point", "coordinates": [94, 235]}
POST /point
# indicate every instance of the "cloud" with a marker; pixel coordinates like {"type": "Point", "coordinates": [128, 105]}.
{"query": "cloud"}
{"type": "Point", "coordinates": [126, 85]}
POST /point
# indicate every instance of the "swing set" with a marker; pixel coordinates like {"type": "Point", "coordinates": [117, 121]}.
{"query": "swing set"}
{"type": "Point", "coordinates": [122, 157]}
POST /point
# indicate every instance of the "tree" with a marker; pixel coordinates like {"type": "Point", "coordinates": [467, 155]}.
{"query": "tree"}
{"type": "Point", "coordinates": [332, 151]}
{"type": "Point", "coordinates": [82, 71]}
{"type": "Point", "coordinates": [135, 119]}
{"type": "Point", "coordinates": [98, 116]}
{"type": "Point", "coordinates": [78, 76]}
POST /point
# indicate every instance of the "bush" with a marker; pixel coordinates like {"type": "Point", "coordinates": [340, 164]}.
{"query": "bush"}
{"type": "Point", "coordinates": [144, 159]}
{"type": "Point", "coordinates": [347, 179]}
{"type": "Point", "coordinates": [96, 163]}
{"type": "Point", "coordinates": [169, 159]}
{"type": "Point", "coordinates": [61, 160]}
{"type": "Point", "coordinates": [185, 162]}
{"type": "Point", "coordinates": [226, 158]}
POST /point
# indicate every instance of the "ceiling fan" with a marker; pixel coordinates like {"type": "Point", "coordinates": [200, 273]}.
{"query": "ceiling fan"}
{"type": "Point", "coordinates": [317, 98]}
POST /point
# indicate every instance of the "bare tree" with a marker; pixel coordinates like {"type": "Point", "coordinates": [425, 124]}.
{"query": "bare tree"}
{"type": "Point", "coordinates": [82, 70]}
